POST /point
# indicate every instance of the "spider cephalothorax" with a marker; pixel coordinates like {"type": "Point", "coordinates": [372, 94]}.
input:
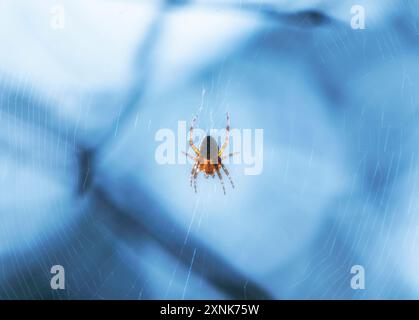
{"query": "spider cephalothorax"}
{"type": "Point", "coordinates": [208, 157]}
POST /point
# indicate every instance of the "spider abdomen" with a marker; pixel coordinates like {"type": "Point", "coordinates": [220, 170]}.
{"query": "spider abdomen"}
{"type": "Point", "coordinates": [209, 150]}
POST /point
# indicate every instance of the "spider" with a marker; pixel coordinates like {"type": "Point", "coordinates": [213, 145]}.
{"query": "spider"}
{"type": "Point", "coordinates": [208, 157]}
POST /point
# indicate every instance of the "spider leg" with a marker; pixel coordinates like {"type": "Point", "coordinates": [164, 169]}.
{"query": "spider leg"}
{"type": "Point", "coordinates": [188, 155]}
{"type": "Point", "coordinates": [194, 178]}
{"type": "Point", "coordinates": [229, 155]}
{"type": "Point", "coordinates": [227, 174]}
{"type": "Point", "coordinates": [193, 172]}
{"type": "Point", "coordinates": [225, 144]}
{"type": "Point", "coordinates": [191, 137]}
{"type": "Point", "coordinates": [221, 179]}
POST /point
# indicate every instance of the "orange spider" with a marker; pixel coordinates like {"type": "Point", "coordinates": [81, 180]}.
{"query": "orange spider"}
{"type": "Point", "coordinates": [208, 156]}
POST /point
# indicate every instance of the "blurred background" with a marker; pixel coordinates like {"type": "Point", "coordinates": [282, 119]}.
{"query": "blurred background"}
{"type": "Point", "coordinates": [85, 86]}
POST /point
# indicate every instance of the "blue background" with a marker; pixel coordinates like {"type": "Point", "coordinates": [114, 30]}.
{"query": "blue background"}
{"type": "Point", "coordinates": [79, 185]}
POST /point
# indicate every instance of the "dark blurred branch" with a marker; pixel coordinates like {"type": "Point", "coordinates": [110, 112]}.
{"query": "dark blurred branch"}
{"type": "Point", "coordinates": [156, 223]}
{"type": "Point", "coordinates": [301, 18]}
